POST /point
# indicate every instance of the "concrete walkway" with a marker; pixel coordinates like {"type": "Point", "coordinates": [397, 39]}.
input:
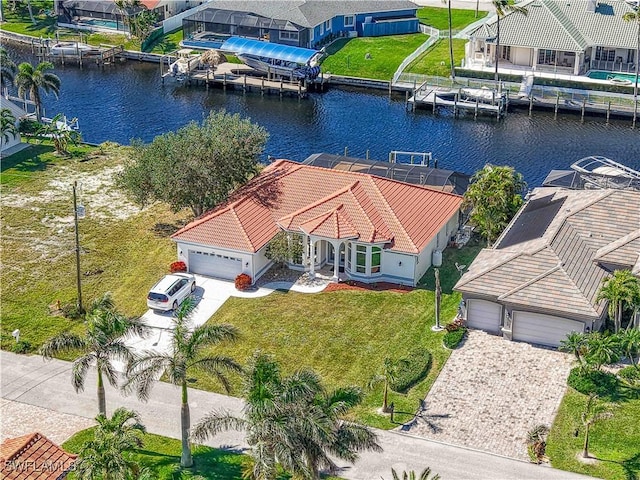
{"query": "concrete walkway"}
{"type": "Point", "coordinates": [492, 391]}
{"type": "Point", "coordinates": [31, 380]}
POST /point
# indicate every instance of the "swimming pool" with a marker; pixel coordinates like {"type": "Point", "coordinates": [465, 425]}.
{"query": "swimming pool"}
{"type": "Point", "coordinates": [601, 75]}
{"type": "Point", "coordinates": [98, 22]}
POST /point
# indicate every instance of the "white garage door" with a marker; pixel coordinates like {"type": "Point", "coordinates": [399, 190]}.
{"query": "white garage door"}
{"type": "Point", "coordinates": [484, 315]}
{"type": "Point", "coordinates": [214, 265]}
{"type": "Point", "coordinates": [543, 329]}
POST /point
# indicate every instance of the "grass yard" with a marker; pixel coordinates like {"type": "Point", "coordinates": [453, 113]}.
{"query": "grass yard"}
{"type": "Point", "coordinates": [168, 43]}
{"type": "Point", "coordinates": [344, 336]}
{"type": "Point", "coordinates": [614, 442]}
{"type": "Point", "coordinates": [439, 17]}
{"type": "Point", "coordinates": [124, 250]}
{"type": "Point", "coordinates": [449, 274]}
{"type": "Point", "coordinates": [161, 455]}
{"type": "Point", "coordinates": [435, 61]}
{"type": "Point", "coordinates": [347, 55]}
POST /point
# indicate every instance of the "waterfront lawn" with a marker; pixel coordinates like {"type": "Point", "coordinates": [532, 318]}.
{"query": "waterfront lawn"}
{"type": "Point", "coordinates": [124, 250]}
{"type": "Point", "coordinates": [615, 442]}
{"type": "Point", "coordinates": [438, 17]}
{"type": "Point", "coordinates": [161, 457]}
{"type": "Point", "coordinates": [347, 55]}
{"type": "Point", "coordinates": [343, 335]}
{"type": "Point", "coordinates": [168, 43]}
{"type": "Point", "coordinates": [435, 61]}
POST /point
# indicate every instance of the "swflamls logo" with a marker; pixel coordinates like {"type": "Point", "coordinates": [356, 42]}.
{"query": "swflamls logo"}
{"type": "Point", "coordinates": [32, 466]}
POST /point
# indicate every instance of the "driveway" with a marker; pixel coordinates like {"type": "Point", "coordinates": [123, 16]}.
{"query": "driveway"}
{"type": "Point", "coordinates": [491, 392]}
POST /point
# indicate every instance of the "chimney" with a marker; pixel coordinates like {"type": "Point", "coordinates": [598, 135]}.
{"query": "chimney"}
{"type": "Point", "coordinates": [592, 5]}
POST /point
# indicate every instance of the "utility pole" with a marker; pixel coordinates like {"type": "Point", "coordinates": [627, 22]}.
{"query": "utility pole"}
{"type": "Point", "coordinates": [437, 327]}
{"type": "Point", "coordinates": [75, 219]}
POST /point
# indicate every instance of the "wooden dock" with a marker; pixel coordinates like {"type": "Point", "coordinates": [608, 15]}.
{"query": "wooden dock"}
{"type": "Point", "coordinates": [434, 96]}
{"type": "Point", "coordinates": [102, 55]}
{"type": "Point", "coordinates": [240, 76]}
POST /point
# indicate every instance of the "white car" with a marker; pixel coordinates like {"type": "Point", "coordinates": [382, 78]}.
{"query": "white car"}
{"type": "Point", "coordinates": [171, 291]}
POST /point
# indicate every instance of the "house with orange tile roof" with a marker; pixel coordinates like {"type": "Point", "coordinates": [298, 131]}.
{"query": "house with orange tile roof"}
{"type": "Point", "coordinates": [34, 457]}
{"type": "Point", "coordinates": [367, 228]}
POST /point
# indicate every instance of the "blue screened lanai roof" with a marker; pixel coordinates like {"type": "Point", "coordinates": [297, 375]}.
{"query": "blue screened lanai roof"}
{"type": "Point", "coordinates": [239, 46]}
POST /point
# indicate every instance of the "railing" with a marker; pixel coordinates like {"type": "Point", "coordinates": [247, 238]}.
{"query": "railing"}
{"type": "Point", "coordinates": [433, 38]}
{"type": "Point", "coordinates": [613, 66]}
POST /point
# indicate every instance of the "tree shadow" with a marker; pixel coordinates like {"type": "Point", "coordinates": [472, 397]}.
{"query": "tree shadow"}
{"type": "Point", "coordinates": [161, 229]}
{"type": "Point", "coordinates": [631, 466]}
{"type": "Point", "coordinates": [165, 45]}
{"type": "Point", "coordinates": [27, 160]}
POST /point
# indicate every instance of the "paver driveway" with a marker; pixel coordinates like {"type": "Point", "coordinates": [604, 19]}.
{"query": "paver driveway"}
{"type": "Point", "coordinates": [491, 392]}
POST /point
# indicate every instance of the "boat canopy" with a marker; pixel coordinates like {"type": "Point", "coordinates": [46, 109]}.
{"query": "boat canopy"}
{"type": "Point", "coordinates": [276, 51]}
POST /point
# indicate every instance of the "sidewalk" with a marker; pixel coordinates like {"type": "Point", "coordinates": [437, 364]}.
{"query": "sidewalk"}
{"type": "Point", "coordinates": [31, 380]}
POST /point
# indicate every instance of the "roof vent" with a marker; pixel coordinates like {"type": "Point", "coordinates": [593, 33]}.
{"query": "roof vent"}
{"type": "Point", "coordinates": [592, 5]}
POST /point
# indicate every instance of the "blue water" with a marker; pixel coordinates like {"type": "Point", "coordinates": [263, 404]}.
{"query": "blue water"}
{"type": "Point", "coordinates": [126, 101]}
{"type": "Point", "coordinates": [101, 23]}
{"type": "Point", "coordinates": [601, 75]}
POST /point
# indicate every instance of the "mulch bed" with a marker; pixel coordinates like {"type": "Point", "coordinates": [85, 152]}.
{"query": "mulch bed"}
{"type": "Point", "coordinates": [376, 287]}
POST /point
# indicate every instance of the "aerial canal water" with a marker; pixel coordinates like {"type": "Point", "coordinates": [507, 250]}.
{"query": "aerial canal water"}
{"type": "Point", "coordinates": [128, 100]}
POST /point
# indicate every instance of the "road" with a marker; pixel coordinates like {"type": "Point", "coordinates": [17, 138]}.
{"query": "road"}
{"type": "Point", "coordinates": [47, 384]}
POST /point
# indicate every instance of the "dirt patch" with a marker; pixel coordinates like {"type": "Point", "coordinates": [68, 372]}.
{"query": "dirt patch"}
{"type": "Point", "coordinates": [375, 287]}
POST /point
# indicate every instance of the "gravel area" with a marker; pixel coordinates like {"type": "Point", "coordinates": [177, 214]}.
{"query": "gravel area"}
{"type": "Point", "coordinates": [18, 419]}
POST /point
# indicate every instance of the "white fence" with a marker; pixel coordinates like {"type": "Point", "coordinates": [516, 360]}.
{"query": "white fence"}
{"type": "Point", "coordinates": [433, 38]}
{"type": "Point", "coordinates": [175, 22]}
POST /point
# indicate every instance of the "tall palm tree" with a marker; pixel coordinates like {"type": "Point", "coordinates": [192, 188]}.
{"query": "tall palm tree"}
{"type": "Point", "coordinates": [102, 342]}
{"type": "Point", "coordinates": [32, 79]}
{"type": "Point", "coordinates": [502, 8]}
{"type": "Point", "coordinates": [7, 125]}
{"type": "Point", "coordinates": [453, 67]}
{"type": "Point", "coordinates": [8, 68]}
{"type": "Point", "coordinates": [387, 376]}
{"type": "Point", "coordinates": [635, 17]}
{"type": "Point", "coordinates": [103, 457]}
{"type": "Point", "coordinates": [188, 355]}
{"type": "Point", "coordinates": [621, 290]}
{"type": "Point", "coordinates": [292, 422]}
{"type": "Point", "coordinates": [629, 341]}
{"type": "Point", "coordinates": [602, 350]}
{"type": "Point", "coordinates": [594, 412]}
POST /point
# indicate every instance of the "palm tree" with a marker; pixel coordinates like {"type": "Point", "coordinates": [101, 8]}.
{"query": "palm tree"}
{"type": "Point", "coordinates": [8, 68]}
{"type": "Point", "coordinates": [387, 376]}
{"type": "Point", "coordinates": [188, 354]}
{"type": "Point", "coordinates": [575, 343]}
{"type": "Point", "coordinates": [292, 422]}
{"type": "Point", "coordinates": [31, 80]}
{"type": "Point", "coordinates": [127, 9]}
{"type": "Point", "coordinates": [621, 290]}
{"type": "Point", "coordinates": [7, 125]}
{"type": "Point", "coordinates": [537, 441]}
{"type": "Point", "coordinates": [593, 413]}
{"type": "Point", "coordinates": [635, 17]}
{"type": "Point", "coordinates": [502, 8]}
{"type": "Point", "coordinates": [61, 137]}
{"type": "Point", "coordinates": [629, 341]}
{"type": "Point", "coordinates": [425, 475]}
{"type": "Point", "coordinates": [602, 350]}
{"type": "Point", "coordinates": [102, 342]}
{"type": "Point", "coordinates": [453, 67]}
{"type": "Point", "coordinates": [103, 457]}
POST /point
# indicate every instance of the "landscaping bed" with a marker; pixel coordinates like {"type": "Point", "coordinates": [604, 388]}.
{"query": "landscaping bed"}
{"type": "Point", "coordinates": [370, 287]}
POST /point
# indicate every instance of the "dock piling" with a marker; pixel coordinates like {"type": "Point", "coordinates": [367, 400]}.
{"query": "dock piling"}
{"type": "Point", "coordinates": [584, 104]}
{"type": "Point", "coordinates": [530, 105]}
{"type": "Point", "coordinates": [608, 110]}
{"type": "Point", "coordinates": [555, 110]}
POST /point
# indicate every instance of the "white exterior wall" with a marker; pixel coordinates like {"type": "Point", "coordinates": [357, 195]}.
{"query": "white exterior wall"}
{"type": "Point", "coordinates": [397, 265]}
{"type": "Point", "coordinates": [247, 258]}
{"type": "Point", "coordinates": [260, 263]}
{"type": "Point", "coordinates": [521, 56]}
{"type": "Point", "coordinates": [175, 22]}
{"type": "Point", "coordinates": [439, 242]}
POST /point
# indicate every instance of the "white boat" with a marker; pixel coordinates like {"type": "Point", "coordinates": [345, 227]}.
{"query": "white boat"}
{"type": "Point", "coordinates": [185, 63]}
{"type": "Point", "coordinates": [280, 68]}
{"type": "Point", "coordinates": [72, 48]}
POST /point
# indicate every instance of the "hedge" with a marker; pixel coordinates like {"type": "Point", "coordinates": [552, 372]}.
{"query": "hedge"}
{"type": "Point", "coordinates": [452, 339]}
{"type": "Point", "coordinates": [592, 381]}
{"type": "Point", "coordinates": [413, 368]}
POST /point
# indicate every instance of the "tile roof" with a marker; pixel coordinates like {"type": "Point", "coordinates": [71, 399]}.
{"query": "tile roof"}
{"type": "Point", "coordinates": [555, 263]}
{"type": "Point", "coordinates": [309, 13]}
{"type": "Point", "coordinates": [565, 25]}
{"type": "Point", "coordinates": [33, 457]}
{"type": "Point", "coordinates": [327, 203]}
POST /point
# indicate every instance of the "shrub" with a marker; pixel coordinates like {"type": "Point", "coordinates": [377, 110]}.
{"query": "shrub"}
{"type": "Point", "coordinates": [631, 373]}
{"type": "Point", "coordinates": [243, 281]}
{"type": "Point", "coordinates": [452, 339]}
{"type": "Point", "coordinates": [457, 324]}
{"type": "Point", "coordinates": [71, 311]}
{"type": "Point", "coordinates": [412, 369]}
{"type": "Point", "coordinates": [179, 266]}
{"type": "Point", "coordinates": [592, 381]}
{"type": "Point", "coordinates": [21, 347]}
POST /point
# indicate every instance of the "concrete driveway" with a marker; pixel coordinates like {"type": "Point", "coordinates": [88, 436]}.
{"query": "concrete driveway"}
{"type": "Point", "coordinates": [491, 392]}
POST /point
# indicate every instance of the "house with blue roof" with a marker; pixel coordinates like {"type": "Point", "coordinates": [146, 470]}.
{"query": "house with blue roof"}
{"type": "Point", "coordinates": [299, 23]}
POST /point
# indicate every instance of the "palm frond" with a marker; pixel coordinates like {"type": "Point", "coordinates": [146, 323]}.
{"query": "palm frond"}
{"type": "Point", "coordinates": [79, 370]}
{"type": "Point", "coordinates": [143, 372]}
{"type": "Point", "coordinates": [62, 343]}
{"type": "Point", "coordinates": [209, 335]}
{"type": "Point", "coordinates": [214, 423]}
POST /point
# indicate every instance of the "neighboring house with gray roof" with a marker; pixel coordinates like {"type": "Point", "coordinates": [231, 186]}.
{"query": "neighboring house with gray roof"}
{"type": "Point", "coordinates": [563, 36]}
{"type": "Point", "coordinates": [541, 279]}
{"type": "Point", "coordinates": [302, 23]}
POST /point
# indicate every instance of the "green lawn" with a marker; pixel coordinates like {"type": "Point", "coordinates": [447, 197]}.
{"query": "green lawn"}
{"type": "Point", "coordinates": [161, 455]}
{"type": "Point", "coordinates": [449, 274]}
{"type": "Point", "coordinates": [439, 17]}
{"type": "Point", "coordinates": [348, 56]}
{"type": "Point", "coordinates": [614, 442]}
{"type": "Point", "coordinates": [435, 61]}
{"type": "Point", "coordinates": [168, 43]}
{"type": "Point", "coordinates": [343, 335]}
{"type": "Point", "coordinates": [38, 243]}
